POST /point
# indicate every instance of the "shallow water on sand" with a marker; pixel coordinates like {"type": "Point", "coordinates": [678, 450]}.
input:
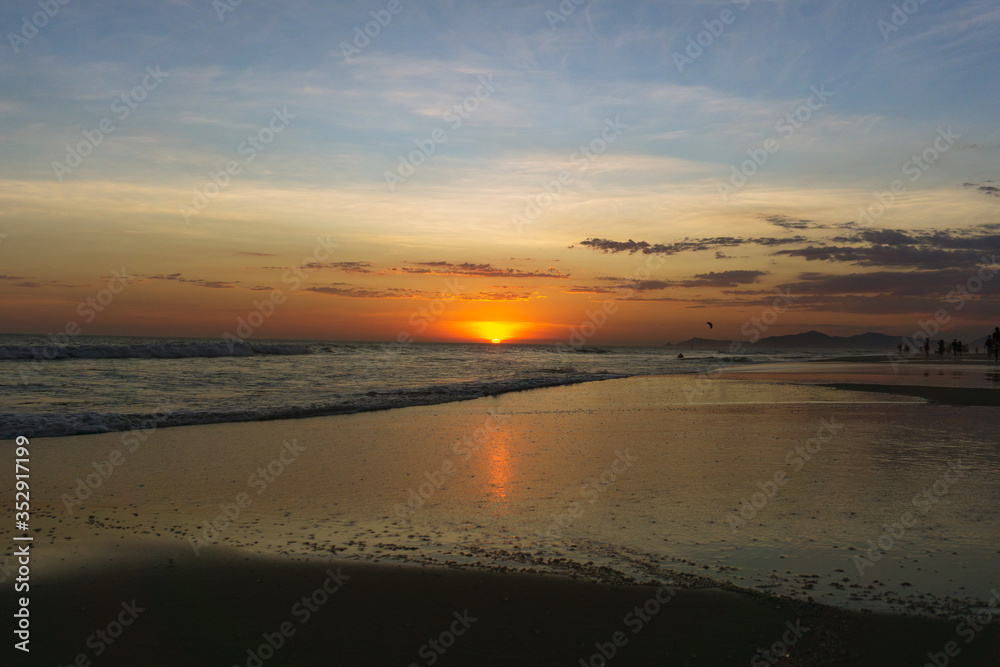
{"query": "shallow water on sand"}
{"type": "Point", "coordinates": [863, 503]}
{"type": "Point", "coordinates": [859, 499]}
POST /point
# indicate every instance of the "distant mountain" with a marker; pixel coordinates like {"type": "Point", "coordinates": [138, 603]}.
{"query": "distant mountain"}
{"type": "Point", "coordinates": [810, 339]}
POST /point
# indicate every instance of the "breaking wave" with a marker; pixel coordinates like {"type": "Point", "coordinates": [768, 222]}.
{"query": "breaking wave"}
{"type": "Point", "coordinates": [148, 351]}
{"type": "Point", "coordinates": [63, 424]}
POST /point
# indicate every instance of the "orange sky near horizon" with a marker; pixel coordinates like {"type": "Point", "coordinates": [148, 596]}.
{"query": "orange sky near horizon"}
{"type": "Point", "coordinates": [541, 285]}
{"type": "Point", "coordinates": [429, 307]}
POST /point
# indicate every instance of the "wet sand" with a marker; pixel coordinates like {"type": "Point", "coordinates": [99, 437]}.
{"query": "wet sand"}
{"type": "Point", "coordinates": [943, 381]}
{"type": "Point", "coordinates": [334, 499]}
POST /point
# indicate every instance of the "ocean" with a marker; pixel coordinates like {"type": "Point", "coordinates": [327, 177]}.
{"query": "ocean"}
{"type": "Point", "coordinates": [100, 384]}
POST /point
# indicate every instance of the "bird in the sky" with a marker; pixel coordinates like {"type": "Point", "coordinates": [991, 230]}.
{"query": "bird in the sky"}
{"type": "Point", "coordinates": [709, 324]}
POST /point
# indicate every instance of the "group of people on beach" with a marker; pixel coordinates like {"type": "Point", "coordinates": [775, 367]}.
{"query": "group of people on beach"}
{"type": "Point", "coordinates": [993, 345]}
{"type": "Point", "coordinates": [957, 347]}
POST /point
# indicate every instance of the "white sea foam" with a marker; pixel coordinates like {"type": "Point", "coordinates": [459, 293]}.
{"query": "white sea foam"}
{"type": "Point", "coordinates": [148, 351]}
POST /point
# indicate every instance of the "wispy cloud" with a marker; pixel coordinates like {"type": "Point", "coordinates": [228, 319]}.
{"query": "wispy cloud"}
{"type": "Point", "coordinates": [345, 267]}
{"type": "Point", "coordinates": [687, 245]}
{"type": "Point", "coordinates": [177, 277]}
{"type": "Point", "coordinates": [470, 269]}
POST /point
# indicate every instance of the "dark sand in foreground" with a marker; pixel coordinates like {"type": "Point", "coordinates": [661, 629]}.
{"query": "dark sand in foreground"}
{"type": "Point", "coordinates": [212, 610]}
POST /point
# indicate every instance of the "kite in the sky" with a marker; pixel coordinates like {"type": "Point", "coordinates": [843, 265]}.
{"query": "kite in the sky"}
{"type": "Point", "coordinates": [709, 324]}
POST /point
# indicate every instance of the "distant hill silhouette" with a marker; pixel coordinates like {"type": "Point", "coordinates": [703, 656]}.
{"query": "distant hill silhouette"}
{"type": "Point", "coordinates": [810, 339]}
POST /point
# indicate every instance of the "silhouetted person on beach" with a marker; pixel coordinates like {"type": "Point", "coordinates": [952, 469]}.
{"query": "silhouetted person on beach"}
{"type": "Point", "coordinates": [996, 344]}
{"type": "Point", "coordinates": [941, 347]}
{"type": "Point", "coordinates": [927, 349]}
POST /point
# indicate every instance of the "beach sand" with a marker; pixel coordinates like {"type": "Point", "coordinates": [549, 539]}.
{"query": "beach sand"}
{"type": "Point", "coordinates": [329, 495]}
{"type": "Point", "coordinates": [216, 608]}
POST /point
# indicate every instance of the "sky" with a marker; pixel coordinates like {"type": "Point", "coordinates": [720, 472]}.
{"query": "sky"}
{"type": "Point", "coordinates": [608, 172]}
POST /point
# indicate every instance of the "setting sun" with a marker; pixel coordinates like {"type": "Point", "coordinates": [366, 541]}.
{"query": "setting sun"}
{"type": "Point", "coordinates": [494, 332]}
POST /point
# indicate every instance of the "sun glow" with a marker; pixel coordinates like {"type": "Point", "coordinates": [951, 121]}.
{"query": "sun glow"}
{"type": "Point", "coordinates": [493, 332]}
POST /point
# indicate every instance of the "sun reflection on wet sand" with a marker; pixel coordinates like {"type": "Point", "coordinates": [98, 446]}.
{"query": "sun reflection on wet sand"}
{"type": "Point", "coordinates": [499, 466]}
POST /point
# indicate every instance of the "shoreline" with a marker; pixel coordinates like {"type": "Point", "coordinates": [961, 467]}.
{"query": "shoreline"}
{"type": "Point", "coordinates": [137, 422]}
{"type": "Point", "coordinates": [957, 396]}
{"type": "Point", "coordinates": [934, 359]}
{"type": "Point", "coordinates": [942, 382]}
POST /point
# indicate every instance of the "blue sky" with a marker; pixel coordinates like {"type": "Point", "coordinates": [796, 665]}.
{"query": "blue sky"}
{"type": "Point", "coordinates": [555, 85]}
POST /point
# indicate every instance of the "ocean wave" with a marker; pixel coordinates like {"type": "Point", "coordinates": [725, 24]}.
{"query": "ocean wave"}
{"type": "Point", "coordinates": [577, 349]}
{"type": "Point", "coordinates": [63, 424]}
{"type": "Point", "coordinates": [148, 351]}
